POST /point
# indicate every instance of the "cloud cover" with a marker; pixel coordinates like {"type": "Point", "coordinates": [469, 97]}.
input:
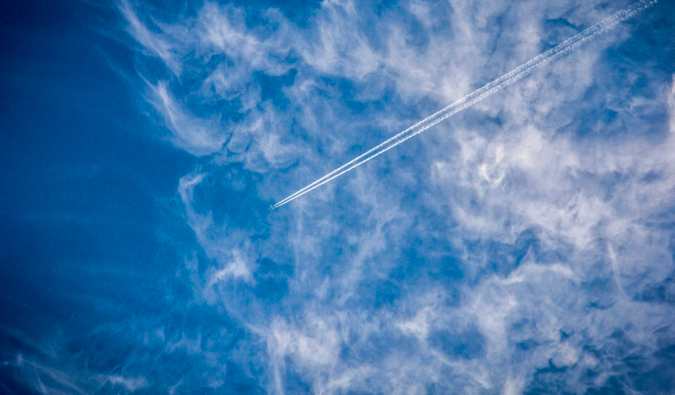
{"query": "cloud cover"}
{"type": "Point", "coordinates": [525, 245]}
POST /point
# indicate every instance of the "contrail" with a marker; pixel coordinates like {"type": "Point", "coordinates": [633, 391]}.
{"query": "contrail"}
{"type": "Point", "coordinates": [486, 91]}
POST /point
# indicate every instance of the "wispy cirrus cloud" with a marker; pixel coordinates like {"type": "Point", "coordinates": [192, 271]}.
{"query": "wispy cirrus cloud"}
{"type": "Point", "coordinates": [534, 209]}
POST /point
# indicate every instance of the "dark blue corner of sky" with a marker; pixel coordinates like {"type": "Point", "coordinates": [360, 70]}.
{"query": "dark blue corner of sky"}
{"type": "Point", "coordinates": [80, 176]}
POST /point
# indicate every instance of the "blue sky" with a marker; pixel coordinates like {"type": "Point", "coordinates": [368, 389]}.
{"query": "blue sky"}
{"type": "Point", "coordinates": [523, 246]}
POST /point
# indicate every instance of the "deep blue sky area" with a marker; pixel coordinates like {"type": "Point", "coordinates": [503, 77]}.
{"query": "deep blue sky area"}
{"type": "Point", "coordinates": [80, 180]}
{"type": "Point", "coordinates": [522, 246]}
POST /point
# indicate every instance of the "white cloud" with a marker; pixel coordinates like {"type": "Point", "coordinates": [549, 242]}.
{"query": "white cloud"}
{"type": "Point", "coordinates": [130, 384]}
{"type": "Point", "coordinates": [513, 164]}
{"type": "Point", "coordinates": [156, 43]}
{"type": "Point", "coordinates": [196, 136]}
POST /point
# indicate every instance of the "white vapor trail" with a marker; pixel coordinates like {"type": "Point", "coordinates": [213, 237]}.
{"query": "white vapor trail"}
{"type": "Point", "coordinates": [474, 97]}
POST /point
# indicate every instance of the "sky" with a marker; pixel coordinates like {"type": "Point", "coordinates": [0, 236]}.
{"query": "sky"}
{"type": "Point", "coordinates": [522, 246]}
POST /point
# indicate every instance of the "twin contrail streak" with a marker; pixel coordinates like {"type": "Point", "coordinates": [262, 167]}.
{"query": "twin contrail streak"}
{"type": "Point", "coordinates": [474, 97]}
